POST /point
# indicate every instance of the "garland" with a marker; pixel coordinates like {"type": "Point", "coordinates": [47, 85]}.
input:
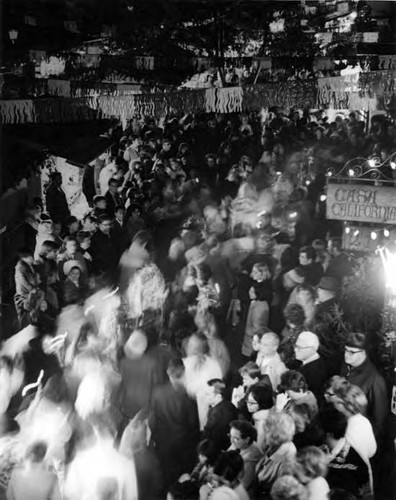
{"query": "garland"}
{"type": "Point", "coordinates": [322, 93]}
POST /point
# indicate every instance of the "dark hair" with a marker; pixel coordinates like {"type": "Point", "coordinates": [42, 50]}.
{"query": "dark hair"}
{"type": "Point", "coordinates": [292, 380]}
{"type": "Point", "coordinates": [341, 494]}
{"type": "Point", "coordinates": [24, 252]}
{"type": "Point", "coordinates": [251, 369]}
{"type": "Point", "coordinates": [309, 251]}
{"type": "Point", "coordinates": [36, 451]}
{"type": "Point", "coordinates": [105, 217]}
{"type": "Point", "coordinates": [176, 368]}
{"type": "Point", "coordinates": [113, 180]}
{"type": "Point", "coordinates": [68, 238]}
{"type": "Point", "coordinates": [98, 198]}
{"type": "Point", "coordinates": [295, 314]}
{"type": "Point", "coordinates": [262, 394]}
{"type": "Point", "coordinates": [333, 421]}
{"type": "Point", "coordinates": [70, 220]}
{"type": "Point", "coordinates": [218, 385]}
{"type": "Point", "coordinates": [207, 448]}
{"type": "Point", "coordinates": [245, 429]}
{"type": "Point", "coordinates": [48, 246]}
{"type": "Point", "coordinates": [304, 287]}
{"type": "Point", "coordinates": [229, 465]}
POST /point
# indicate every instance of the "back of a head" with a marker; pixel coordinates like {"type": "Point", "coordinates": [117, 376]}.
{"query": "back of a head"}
{"type": "Point", "coordinates": [311, 463]}
{"type": "Point", "coordinates": [36, 452]}
{"type": "Point", "coordinates": [292, 380]}
{"type": "Point", "coordinates": [333, 422]}
{"type": "Point", "coordinates": [197, 344]}
{"type": "Point", "coordinates": [288, 488]}
{"type": "Point", "coordinates": [136, 345]}
{"type": "Point", "coordinates": [229, 465]}
{"type": "Point", "coordinates": [56, 390]}
{"type": "Point", "coordinates": [263, 395]}
{"type": "Point", "coordinates": [310, 339]}
{"type": "Point", "coordinates": [219, 386]}
{"type": "Point", "coordinates": [176, 369]}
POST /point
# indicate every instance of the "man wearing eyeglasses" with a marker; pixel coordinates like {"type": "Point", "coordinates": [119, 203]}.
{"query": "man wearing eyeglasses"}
{"type": "Point", "coordinates": [360, 371]}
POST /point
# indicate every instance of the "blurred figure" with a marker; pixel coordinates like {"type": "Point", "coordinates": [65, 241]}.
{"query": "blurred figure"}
{"type": "Point", "coordinates": [34, 479]}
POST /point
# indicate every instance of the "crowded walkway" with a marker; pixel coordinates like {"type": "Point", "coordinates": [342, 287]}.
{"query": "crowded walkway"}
{"type": "Point", "coordinates": [181, 339]}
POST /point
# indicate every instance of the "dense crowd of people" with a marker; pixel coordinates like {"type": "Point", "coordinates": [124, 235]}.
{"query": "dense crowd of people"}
{"type": "Point", "coordinates": [180, 340]}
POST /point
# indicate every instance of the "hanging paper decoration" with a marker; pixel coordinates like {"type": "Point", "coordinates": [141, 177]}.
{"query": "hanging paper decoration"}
{"type": "Point", "coordinates": [30, 21]}
{"type": "Point", "coordinates": [60, 88]}
{"type": "Point", "coordinates": [70, 26]}
{"type": "Point", "coordinates": [370, 37]}
{"type": "Point", "coordinates": [52, 66]}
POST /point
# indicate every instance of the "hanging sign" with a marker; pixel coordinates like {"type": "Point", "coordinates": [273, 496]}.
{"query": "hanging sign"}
{"type": "Point", "coordinates": [359, 202]}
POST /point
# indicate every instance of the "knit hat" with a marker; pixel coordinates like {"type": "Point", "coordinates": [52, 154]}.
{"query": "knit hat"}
{"type": "Point", "coordinates": [356, 339]}
{"type": "Point", "coordinates": [328, 283]}
{"type": "Point", "coordinates": [70, 264]}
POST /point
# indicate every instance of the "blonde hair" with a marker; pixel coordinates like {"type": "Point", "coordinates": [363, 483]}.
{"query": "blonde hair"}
{"type": "Point", "coordinates": [311, 462]}
{"type": "Point", "coordinates": [278, 428]}
{"type": "Point", "coordinates": [349, 398]}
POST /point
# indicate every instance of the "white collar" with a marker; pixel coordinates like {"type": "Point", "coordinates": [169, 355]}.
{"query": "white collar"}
{"type": "Point", "coordinates": [314, 357]}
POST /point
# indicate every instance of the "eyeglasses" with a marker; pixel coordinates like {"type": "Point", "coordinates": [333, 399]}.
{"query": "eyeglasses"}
{"type": "Point", "coordinates": [352, 353]}
{"type": "Point", "coordinates": [251, 403]}
{"type": "Point", "coordinates": [234, 438]}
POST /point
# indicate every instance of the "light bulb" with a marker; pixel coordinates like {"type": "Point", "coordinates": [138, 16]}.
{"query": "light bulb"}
{"type": "Point", "coordinates": [347, 230]}
{"type": "Point", "coordinates": [393, 165]}
{"type": "Point", "coordinates": [372, 163]}
{"type": "Point", "coordinates": [323, 197]}
{"type": "Point", "coordinates": [386, 233]}
{"type": "Point", "coordinates": [351, 172]}
{"type": "Point", "coordinates": [293, 215]}
{"type": "Point", "coordinates": [329, 174]}
{"type": "Point", "coordinates": [373, 235]}
{"type": "Point", "coordinates": [307, 183]}
{"type": "Point", "coordinates": [356, 232]}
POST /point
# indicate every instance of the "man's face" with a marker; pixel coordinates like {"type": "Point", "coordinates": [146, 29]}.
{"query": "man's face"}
{"type": "Point", "coordinates": [354, 356]}
{"type": "Point", "coordinates": [105, 226]}
{"type": "Point", "coordinates": [71, 247]}
{"type": "Point", "coordinates": [51, 255]}
{"type": "Point", "coordinates": [120, 215]}
{"type": "Point", "coordinates": [268, 346]}
{"type": "Point", "coordinates": [167, 146]}
{"type": "Point", "coordinates": [101, 205]}
{"type": "Point", "coordinates": [304, 261]}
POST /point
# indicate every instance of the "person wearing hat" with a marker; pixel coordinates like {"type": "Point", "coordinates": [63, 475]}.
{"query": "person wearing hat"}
{"type": "Point", "coordinates": [73, 291]}
{"type": "Point", "coordinates": [55, 199]}
{"type": "Point", "coordinates": [326, 295]}
{"type": "Point", "coordinates": [313, 367]}
{"type": "Point", "coordinates": [359, 370]}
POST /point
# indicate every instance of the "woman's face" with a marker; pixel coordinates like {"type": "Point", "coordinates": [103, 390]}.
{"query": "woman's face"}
{"type": "Point", "coordinates": [237, 441]}
{"type": "Point", "coordinates": [252, 404]}
{"type": "Point", "coordinates": [75, 274]}
{"type": "Point", "coordinates": [258, 274]}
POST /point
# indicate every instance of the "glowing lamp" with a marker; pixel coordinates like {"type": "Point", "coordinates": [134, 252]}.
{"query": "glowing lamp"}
{"type": "Point", "coordinates": [351, 172]}
{"type": "Point", "coordinates": [307, 183]}
{"type": "Point", "coordinates": [293, 215]}
{"type": "Point", "coordinates": [393, 165]}
{"type": "Point", "coordinates": [389, 263]}
{"type": "Point", "coordinates": [323, 197]}
{"type": "Point", "coordinates": [278, 173]}
{"type": "Point", "coordinates": [347, 230]}
{"type": "Point", "coordinates": [372, 163]}
{"type": "Point", "coordinates": [356, 232]}
{"type": "Point", "coordinates": [13, 34]}
{"type": "Point", "coordinates": [386, 233]}
{"type": "Point", "coordinates": [373, 235]}
{"type": "Point", "coordinates": [329, 174]}
{"type": "Point", "coordinates": [217, 287]}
